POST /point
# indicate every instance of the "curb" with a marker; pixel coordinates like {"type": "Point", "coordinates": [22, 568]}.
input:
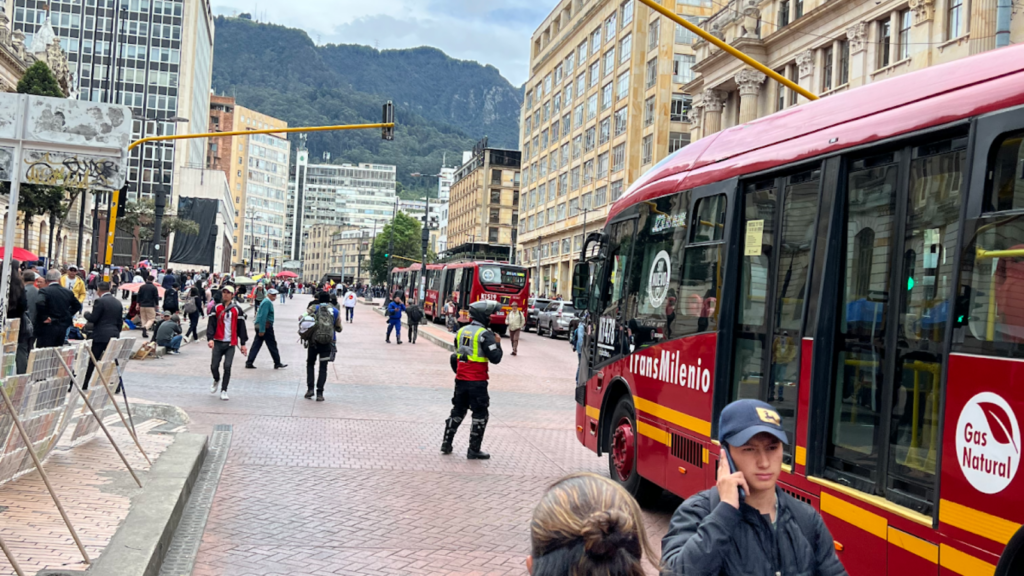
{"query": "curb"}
{"type": "Point", "coordinates": [141, 542]}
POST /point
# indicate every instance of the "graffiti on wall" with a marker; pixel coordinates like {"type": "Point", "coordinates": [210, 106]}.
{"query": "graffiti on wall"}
{"type": "Point", "coordinates": [6, 158]}
{"type": "Point", "coordinates": [72, 170]}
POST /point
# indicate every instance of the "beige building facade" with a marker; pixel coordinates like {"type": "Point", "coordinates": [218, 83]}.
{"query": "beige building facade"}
{"type": "Point", "coordinates": [829, 47]}
{"type": "Point", "coordinates": [318, 258]}
{"type": "Point", "coordinates": [604, 103]}
{"type": "Point", "coordinates": [350, 254]}
{"type": "Point", "coordinates": [483, 206]}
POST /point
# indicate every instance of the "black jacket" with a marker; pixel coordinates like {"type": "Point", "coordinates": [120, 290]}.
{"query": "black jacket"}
{"type": "Point", "coordinates": [414, 312]}
{"type": "Point", "coordinates": [171, 300]}
{"type": "Point", "coordinates": [710, 537]}
{"type": "Point", "coordinates": [58, 305]}
{"type": "Point", "coordinates": [106, 318]}
{"type": "Point", "coordinates": [149, 296]}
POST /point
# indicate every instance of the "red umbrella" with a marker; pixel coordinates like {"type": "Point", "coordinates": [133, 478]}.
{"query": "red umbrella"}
{"type": "Point", "coordinates": [287, 274]}
{"type": "Point", "coordinates": [135, 288]}
{"type": "Point", "coordinates": [21, 255]}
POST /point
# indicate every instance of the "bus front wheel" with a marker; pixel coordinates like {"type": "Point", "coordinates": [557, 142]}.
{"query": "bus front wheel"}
{"type": "Point", "coordinates": [622, 454]}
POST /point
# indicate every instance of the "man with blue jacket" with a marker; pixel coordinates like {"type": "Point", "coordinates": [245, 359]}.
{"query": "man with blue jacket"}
{"type": "Point", "coordinates": [746, 524]}
{"type": "Point", "coordinates": [265, 332]}
{"type": "Point", "coordinates": [394, 312]}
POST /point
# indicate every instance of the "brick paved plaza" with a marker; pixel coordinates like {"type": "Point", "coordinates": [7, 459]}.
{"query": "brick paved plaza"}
{"type": "Point", "coordinates": [356, 485]}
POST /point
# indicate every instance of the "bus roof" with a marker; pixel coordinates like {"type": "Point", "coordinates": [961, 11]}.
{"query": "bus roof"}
{"type": "Point", "coordinates": [930, 97]}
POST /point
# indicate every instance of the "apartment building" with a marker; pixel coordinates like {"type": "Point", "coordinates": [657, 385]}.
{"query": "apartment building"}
{"type": "Point", "coordinates": [319, 251]}
{"type": "Point", "coordinates": [350, 254]}
{"type": "Point", "coordinates": [604, 103]}
{"type": "Point", "coordinates": [829, 47]}
{"type": "Point", "coordinates": [483, 209]}
{"type": "Point", "coordinates": [444, 189]}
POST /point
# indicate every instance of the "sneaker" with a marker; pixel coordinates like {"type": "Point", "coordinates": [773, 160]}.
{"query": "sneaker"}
{"type": "Point", "coordinates": [175, 352]}
{"type": "Point", "coordinates": [223, 394]}
{"type": "Point", "coordinates": [214, 387]}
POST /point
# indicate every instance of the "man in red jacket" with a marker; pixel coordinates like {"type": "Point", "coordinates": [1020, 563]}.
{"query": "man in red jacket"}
{"type": "Point", "coordinates": [225, 330]}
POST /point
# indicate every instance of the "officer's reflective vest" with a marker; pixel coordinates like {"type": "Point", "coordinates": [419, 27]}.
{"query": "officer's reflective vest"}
{"type": "Point", "coordinates": [472, 365]}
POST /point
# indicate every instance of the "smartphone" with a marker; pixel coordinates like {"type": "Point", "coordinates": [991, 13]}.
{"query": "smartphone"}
{"type": "Point", "coordinates": [732, 466]}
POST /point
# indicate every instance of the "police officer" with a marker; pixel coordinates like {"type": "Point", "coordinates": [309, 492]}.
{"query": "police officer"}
{"type": "Point", "coordinates": [475, 347]}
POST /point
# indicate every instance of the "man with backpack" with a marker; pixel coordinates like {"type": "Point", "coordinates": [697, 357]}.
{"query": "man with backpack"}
{"type": "Point", "coordinates": [415, 314]}
{"type": "Point", "coordinates": [394, 314]}
{"type": "Point", "coordinates": [225, 330]}
{"type": "Point", "coordinates": [265, 332]}
{"type": "Point", "coordinates": [318, 329]}
{"type": "Point", "coordinates": [747, 511]}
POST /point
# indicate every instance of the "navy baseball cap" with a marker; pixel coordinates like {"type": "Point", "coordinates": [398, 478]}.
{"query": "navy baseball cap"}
{"type": "Point", "coordinates": [743, 419]}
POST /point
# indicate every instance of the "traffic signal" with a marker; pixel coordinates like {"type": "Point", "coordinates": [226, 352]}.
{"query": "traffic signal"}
{"type": "Point", "coordinates": [122, 201]}
{"type": "Point", "coordinates": [388, 117]}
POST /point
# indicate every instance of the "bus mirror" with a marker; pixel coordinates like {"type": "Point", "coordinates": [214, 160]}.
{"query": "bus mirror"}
{"type": "Point", "coordinates": [581, 286]}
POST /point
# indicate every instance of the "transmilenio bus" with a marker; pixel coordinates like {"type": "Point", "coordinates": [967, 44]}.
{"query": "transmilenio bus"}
{"type": "Point", "coordinates": [857, 262]}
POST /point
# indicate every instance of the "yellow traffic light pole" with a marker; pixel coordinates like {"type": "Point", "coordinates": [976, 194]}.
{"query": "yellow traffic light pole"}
{"type": "Point", "coordinates": [653, 5]}
{"type": "Point", "coordinates": [116, 194]}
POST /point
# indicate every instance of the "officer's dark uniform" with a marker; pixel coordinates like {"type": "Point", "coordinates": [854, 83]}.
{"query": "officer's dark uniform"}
{"type": "Point", "coordinates": [475, 346]}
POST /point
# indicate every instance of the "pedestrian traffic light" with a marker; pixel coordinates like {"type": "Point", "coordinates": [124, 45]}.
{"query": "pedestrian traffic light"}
{"type": "Point", "coordinates": [388, 117]}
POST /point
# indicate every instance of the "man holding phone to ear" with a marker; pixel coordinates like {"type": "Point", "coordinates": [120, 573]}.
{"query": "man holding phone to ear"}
{"type": "Point", "coordinates": [747, 525]}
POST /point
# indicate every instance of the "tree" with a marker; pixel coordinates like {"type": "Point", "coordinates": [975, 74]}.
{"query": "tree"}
{"type": "Point", "coordinates": [40, 81]}
{"type": "Point", "coordinates": [407, 244]}
{"type": "Point", "coordinates": [142, 215]}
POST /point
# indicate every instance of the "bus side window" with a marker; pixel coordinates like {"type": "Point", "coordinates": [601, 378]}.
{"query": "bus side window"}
{"type": "Point", "coordinates": [612, 337]}
{"type": "Point", "coordinates": [655, 283]}
{"type": "Point", "coordinates": [701, 276]}
{"type": "Point", "coordinates": [990, 301]}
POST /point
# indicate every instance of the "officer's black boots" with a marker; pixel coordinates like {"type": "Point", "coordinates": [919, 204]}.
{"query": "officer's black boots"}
{"type": "Point", "coordinates": [451, 426]}
{"type": "Point", "coordinates": [476, 437]}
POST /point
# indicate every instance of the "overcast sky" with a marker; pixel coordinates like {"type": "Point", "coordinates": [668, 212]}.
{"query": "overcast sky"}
{"type": "Point", "coordinates": [495, 32]}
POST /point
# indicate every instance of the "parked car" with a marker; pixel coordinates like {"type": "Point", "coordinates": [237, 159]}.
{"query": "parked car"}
{"type": "Point", "coordinates": [533, 309]}
{"type": "Point", "coordinates": [555, 319]}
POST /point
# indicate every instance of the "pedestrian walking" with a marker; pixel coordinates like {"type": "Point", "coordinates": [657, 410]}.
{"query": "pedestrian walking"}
{"type": "Point", "coordinates": [515, 322]}
{"type": "Point", "coordinates": [726, 530]}
{"type": "Point", "coordinates": [171, 299]}
{"type": "Point", "coordinates": [17, 307]}
{"type": "Point", "coordinates": [33, 283]}
{"type": "Point", "coordinates": [588, 524]}
{"type": "Point", "coordinates": [194, 308]}
{"type": "Point", "coordinates": [415, 315]}
{"type": "Point", "coordinates": [56, 309]}
{"type": "Point", "coordinates": [149, 298]}
{"type": "Point", "coordinates": [475, 347]}
{"type": "Point", "coordinates": [167, 279]}
{"type": "Point", "coordinates": [265, 332]}
{"type": "Point", "coordinates": [72, 282]}
{"type": "Point", "coordinates": [394, 313]}
{"type": "Point", "coordinates": [106, 317]}
{"type": "Point", "coordinates": [350, 305]}
{"type": "Point", "coordinates": [224, 331]}
{"type": "Point", "coordinates": [321, 341]}
{"type": "Point", "coordinates": [450, 315]}
{"type": "Point", "coordinates": [169, 335]}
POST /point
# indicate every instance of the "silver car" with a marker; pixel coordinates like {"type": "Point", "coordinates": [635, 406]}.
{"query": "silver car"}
{"type": "Point", "coordinates": [555, 319]}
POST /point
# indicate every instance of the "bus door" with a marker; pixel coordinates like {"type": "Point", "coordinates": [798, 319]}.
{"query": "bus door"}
{"type": "Point", "coordinates": [777, 234]}
{"type": "Point", "coordinates": [465, 287]}
{"type": "Point", "coordinates": [608, 319]}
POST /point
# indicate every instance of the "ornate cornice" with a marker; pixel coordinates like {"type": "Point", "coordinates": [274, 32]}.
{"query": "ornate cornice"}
{"type": "Point", "coordinates": [714, 100]}
{"type": "Point", "coordinates": [924, 10]}
{"type": "Point", "coordinates": [749, 81]}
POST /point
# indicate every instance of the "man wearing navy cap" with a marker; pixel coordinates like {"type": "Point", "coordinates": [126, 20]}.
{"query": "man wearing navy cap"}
{"type": "Point", "coordinates": [746, 522]}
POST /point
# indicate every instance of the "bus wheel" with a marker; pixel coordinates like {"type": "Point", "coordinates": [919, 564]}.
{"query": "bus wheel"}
{"type": "Point", "coordinates": [622, 454]}
{"type": "Point", "coordinates": [1012, 561]}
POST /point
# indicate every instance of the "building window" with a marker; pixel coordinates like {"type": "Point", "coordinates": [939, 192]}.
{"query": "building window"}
{"type": "Point", "coordinates": [492, 236]}
{"type": "Point", "coordinates": [826, 69]}
{"type": "Point", "coordinates": [577, 147]}
{"type": "Point", "coordinates": [903, 51]}
{"type": "Point", "coordinates": [795, 78]}
{"type": "Point", "coordinates": [627, 12]}
{"type": "Point", "coordinates": [616, 189]}
{"type": "Point", "coordinates": [574, 207]}
{"type": "Point", "coordinates": [574, 179]}
{"type": "Point", "coordinates": [683, 34]}
{"type": "Point", "coordinates": [495, 216]}
{"type": "Point", "coordinates": [577, 116]}
{"type": "Point", "coordinates": [652, 73]}
{"type": "Point", "coordinates": [589, 139]}
{"type": "Point", "coordinates": [581, 83]}
{"type": "Point", "coordinates": [595, 73]}
{"type": "Point", "coordinates": [625, 48]}
{"type": "Point", "coordinates": [682, 68]}
{"type": "Point", "coordinates": [606, 96]}
{"type": "Point", "coordinates": [600, 196]}
{"type": "Point", "coordinates": [622, 90]}
{"type": "Point", "coordinates": [566, 125]}
{"type": "Point", "coordinates": [844, 62]}
{"type": "Point", "coordinates": [609, 61]}
{"type": "Point", "coordinates": [956, 19]}
{"type": "Point", "coordinates": [564, 155]}
{"type": "Point", "coordinates": [610, 27]}
{"type": "Point", "coordinates": [620, 121]}
{"type": "Point", "coordinates": [619, 158]}
{"type": "Point", "coordinates": [884, 42]}
{"type": "Point", "coordinates": [602, 166]}
{"type": "Point", "coordinates": [604, 130]}
{"type": "Point", "coordinates": [647, 150]}
{"type": "Point", "coordinates": [677, 140]}
{"type": "Point", "coordinates": [595, 38]}
{"type": "Point", "coordinates": [681, 106]}
{"type": "Point", "coordinates": [783, 13]}
{"type": "Point", "coordinates": [588, 172]}
{"type": "Point", "coordinates": [495, 196]}
{"type": "Point", "coordinates": [649, 111]}
{"type": "Point", "coordinates": [653, 30]}
{"type": "Point", "coordinates": [592, 107]}
{"type": "Point", "coordinates": [799, 9]}
{"type": "Point", "coordinates": [563, 183]}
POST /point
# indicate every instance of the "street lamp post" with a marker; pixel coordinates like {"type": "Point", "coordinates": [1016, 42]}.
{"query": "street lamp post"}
{"type": "Point", "coordinates": [250, 213]}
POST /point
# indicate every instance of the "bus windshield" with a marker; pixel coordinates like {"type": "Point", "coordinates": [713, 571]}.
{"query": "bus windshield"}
{"type": "Point", "coordinates": [504, 275]}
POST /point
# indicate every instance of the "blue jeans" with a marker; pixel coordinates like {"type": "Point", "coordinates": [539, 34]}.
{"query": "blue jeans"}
{"type": "Point", "coordinates": [397, 327]}
{"type": "Point", "coordinates": [175, 343]}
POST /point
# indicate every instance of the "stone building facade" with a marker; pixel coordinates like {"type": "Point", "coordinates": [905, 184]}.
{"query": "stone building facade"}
{"type": "Point", "coordinates": [827, 47]}
{"type": "Point", "coordinates": [604, 103]}
{"type": "Point", "coordinates": [483, 206]}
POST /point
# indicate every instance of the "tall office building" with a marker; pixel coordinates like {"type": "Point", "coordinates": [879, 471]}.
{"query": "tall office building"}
{"type": "Point", "coordinates": [155, 56]}
{"type": "Point", "coordinates": [362, 196]}
{"type": "Point", "coordinates": [604, 103]}
{"type": "Point", "coordinates": [444, 188]}
{"type": "Point", "coordinates": [484, 205]}
{"type": "Point", "coordinates": [257, 170]}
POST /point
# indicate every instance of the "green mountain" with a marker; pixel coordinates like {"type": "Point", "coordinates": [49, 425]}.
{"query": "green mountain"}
{"type": "Point", "coordinates": [442, 105]}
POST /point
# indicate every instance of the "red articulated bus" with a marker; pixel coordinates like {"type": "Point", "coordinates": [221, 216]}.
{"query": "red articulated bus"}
{"type": "Point", "coordinates": [467, 282]}
{"type": "Point", "coordinates": [858, 263]}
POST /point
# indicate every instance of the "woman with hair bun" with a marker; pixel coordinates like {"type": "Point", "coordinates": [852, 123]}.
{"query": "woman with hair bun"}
{"type": "Point", "coordinates": [587, 525]}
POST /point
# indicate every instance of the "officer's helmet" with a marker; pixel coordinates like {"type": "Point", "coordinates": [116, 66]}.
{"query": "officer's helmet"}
{"type": "Point", "coordinates": [482, 310]}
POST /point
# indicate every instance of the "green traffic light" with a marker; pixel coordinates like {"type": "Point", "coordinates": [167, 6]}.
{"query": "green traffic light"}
{"type": "Point", "coordinates": [910, 283]}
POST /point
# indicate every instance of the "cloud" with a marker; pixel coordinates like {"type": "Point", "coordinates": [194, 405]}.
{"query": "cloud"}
{"type": "Point", "coordinates": [496, 32]}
